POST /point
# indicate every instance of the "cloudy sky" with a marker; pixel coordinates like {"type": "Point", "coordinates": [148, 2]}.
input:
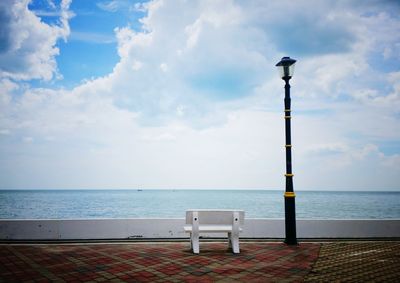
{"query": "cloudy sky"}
{"type": "Point", "coordinates": [185, 94]}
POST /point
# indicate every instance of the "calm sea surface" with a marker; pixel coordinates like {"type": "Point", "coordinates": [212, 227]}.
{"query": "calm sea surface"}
{"type": "Point", "coordinates": [73, 204]}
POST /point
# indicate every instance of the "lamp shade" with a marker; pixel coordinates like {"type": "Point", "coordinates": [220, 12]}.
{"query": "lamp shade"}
{"type": "Point", "coordinates": [286, 67]}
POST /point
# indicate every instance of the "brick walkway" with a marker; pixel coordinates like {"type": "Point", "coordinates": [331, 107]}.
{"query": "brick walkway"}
{"type": "Point", "coordinates": [357, 262]}
{"type": "Point", "coordinates": [173, 262]}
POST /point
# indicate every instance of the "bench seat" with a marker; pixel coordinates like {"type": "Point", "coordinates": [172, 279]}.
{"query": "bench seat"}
{"type": "Point", "coordinates": [211, 228]}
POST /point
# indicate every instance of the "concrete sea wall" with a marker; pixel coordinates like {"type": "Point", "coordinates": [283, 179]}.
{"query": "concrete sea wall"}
{"type": "Point", "coordinates": [144, 228]}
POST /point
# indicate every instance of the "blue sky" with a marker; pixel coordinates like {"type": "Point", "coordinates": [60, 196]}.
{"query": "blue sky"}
{"type": "Point", "coordinates": [185, 94]}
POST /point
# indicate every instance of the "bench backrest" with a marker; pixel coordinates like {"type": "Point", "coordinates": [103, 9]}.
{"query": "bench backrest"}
{"type": "Point", "coordinates": [214, 217]}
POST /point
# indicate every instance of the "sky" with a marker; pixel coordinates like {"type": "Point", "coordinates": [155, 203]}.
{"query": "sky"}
{"type": "Point", "coordinates": [175, 94]}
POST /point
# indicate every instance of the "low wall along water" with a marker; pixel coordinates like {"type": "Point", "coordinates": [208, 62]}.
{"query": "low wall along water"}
{"type": "Point", "coordinates": [158, 228]}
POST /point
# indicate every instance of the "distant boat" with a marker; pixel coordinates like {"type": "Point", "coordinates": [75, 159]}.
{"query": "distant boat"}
{"type": "Point", "coordinates": [139, 190]}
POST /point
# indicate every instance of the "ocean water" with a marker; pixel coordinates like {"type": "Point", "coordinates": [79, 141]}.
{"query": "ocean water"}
{"type": "Point", "coordinates": [76, 204]}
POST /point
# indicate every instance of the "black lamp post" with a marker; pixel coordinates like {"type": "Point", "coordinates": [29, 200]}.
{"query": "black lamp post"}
{"type": "Point", "coordinates": [286, 67]}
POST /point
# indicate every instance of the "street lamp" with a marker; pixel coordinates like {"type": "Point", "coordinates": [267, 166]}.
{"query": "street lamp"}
{"type": "Point", "coordinates": [286, 68]}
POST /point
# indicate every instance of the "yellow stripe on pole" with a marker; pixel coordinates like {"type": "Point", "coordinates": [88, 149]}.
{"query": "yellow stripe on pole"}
{"type": "Point", "coordinates": [288, 145]}
{"type": "Point", "coordinates": [287, 110]}
{"type": "Point", "coordinates": [288, 117]}
{"type": "Point", "coordinates": [289, 195]}
{"type": "Point", "coordinates": [289, 175]}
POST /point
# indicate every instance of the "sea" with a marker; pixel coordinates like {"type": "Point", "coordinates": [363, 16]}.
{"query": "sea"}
{"type": "Point", "coordinates": [91, 204]}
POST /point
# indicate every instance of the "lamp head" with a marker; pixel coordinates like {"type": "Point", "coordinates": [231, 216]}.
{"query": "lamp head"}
{"type": "Point", "coordinates": [286, 67]}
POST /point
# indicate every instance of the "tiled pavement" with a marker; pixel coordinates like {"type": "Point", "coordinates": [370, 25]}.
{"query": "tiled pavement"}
{"type": "Point", "coordinates": [357, 262]}
{"type": "Point", "coordinates": [173, 262]}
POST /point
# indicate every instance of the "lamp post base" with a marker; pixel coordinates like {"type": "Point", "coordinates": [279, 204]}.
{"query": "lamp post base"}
{"type": "Point", "coordinates": [290, 219]}
{"type": "Point", "coordinates": [291, 242]}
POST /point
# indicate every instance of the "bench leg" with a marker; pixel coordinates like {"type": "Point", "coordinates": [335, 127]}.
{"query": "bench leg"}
{"type": "Point", "coordinates": [194, 243]}
{"type": "Point", "coordinates": [234, 242]}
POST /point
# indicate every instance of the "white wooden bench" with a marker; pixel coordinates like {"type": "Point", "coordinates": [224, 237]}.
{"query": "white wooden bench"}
{"type": "Point", "coordinates": [214, 221]}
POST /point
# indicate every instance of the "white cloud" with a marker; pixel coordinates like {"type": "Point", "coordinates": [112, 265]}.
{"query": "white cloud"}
{"type": "Point", "coordinates": [354, 167]}
{"type": "Point", "coordinates": [110, 6]}
{"type": "Point", "coordinates": [28, 45]}
{"type": "Point", "coordinates": [118, 5]}
{"type": "Point", "coordinates": [5, 132]}
{"type": "Point", "coordinates": [164, 67]}
{"type": "Point", "coordinates": [137, 65]}
{"type": "Point", "coordinates": [193, 32]}
{"type": "Point", "coordinates": [28, 139]}
{"type": "Point", "coordinates": [328, 148]}
{"type": "Point", "coordinates": [180, 110]}
{"type": "Point", "coordinates": [92, 37]}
